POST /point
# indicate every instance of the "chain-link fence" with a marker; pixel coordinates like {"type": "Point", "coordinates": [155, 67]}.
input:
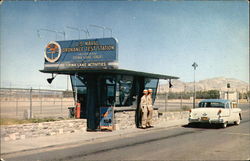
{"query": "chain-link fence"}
{"type": "Point", "coordinates": [36, 103]}
{"type": "Point", "coordinates": [164, 103]}
{"type": "Point", "coordinates": [40, 103]}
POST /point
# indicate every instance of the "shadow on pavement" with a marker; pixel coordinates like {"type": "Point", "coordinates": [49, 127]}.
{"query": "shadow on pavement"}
{"type": "Point", "coordinates": [204, 126]}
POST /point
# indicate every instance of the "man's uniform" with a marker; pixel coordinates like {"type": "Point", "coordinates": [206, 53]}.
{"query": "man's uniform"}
{"type": "Point", "coordinates": [150, 108]}
{"type": "Point", "coordinates": [144, 110]}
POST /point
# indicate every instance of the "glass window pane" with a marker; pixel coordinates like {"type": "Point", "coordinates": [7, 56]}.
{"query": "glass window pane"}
{"type": "Point", "coordinates": [123, 90]}
{"type": "Point", "coordinates": [79, 83]}
{"type": "Point", "coordinates": [152, 84]}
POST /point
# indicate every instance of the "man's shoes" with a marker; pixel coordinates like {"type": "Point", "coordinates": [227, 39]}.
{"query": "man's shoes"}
{"type": "Point", "coordinates": [150, 126]}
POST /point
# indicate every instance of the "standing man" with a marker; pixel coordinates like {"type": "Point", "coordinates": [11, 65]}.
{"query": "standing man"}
{"type": "Point", "coordinates": [144, 110]}
{"type": "Point", "coordinates": [150, 108]}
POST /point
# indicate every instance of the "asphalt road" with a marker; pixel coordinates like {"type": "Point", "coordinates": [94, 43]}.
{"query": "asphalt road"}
{"type": "Point", "coordinates": [178, 143]}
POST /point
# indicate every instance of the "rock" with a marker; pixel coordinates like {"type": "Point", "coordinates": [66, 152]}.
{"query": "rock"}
{"type": "Point", "coordinates": [13, 136]}
{"type": "Point", "coordinates": [22, 137]}
{"type": "Point", "coordinates": [52, 133]}
{"type": "Point", "coordinates": [60, 131]}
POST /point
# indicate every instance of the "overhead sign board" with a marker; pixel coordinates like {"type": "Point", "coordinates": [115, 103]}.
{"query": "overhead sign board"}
{"type": "Point", "coordinates": [86, 53]}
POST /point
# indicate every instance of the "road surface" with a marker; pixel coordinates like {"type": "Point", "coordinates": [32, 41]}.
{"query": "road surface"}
{"type": "Point", "coordinates": [177, 143]}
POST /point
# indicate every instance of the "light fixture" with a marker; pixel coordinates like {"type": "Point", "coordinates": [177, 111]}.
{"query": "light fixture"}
{"type": "Point", "coordinates": [170, 85]}
{"type": "Point", "coordinates": [49, 80]}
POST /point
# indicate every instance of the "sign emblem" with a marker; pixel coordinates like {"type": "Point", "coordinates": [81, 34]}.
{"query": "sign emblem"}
{"type": "Point", "coordinates": [52, 52]}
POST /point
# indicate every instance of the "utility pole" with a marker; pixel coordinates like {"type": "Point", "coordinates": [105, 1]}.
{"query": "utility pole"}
{"type": "Point", "coordinates": [228, 86]}
{"type": "Point", "coordinates": [195, 65]}
{"type": "Point", "coordinates": [30, 114]}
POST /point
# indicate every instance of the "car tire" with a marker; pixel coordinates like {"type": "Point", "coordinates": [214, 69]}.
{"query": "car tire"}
{"type": "Point", "coordinates": [190, 124]}
{"type": "Point", "coordinates": [193, 125]}
{"type": "Point", "coordinates": [224, 125]}
{"type": "Point", "coordinates": [237, 122]}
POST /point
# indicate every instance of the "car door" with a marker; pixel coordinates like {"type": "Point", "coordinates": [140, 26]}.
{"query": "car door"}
{"type": "Point", "coordinates": [235, 111]}
{"type": "Point", "coordinates": [227, 112]}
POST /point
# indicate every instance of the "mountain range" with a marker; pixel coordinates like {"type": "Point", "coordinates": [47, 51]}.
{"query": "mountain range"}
{"type": "Point", "coordinates": [219, 83]}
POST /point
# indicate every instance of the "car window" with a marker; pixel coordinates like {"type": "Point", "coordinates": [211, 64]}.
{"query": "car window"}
{"type": "Point", "coordinates": [211, 104]}
{"type": "Point", "coordinates": [234, 105]}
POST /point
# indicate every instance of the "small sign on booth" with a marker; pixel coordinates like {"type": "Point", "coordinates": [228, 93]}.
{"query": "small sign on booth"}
{"type": "Point", "coordinates": [106, 118]}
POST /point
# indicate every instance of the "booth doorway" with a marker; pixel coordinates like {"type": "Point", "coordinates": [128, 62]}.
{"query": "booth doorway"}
{"type": "Point", "coordinates": [93, 92]}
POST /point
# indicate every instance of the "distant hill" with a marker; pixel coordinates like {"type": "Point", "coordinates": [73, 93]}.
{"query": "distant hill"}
{"type": "Point", "coordinates": [219, 83]}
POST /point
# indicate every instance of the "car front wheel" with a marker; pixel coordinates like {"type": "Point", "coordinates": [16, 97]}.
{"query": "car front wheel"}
{"type": "Point", "coordinates": [224, 125]}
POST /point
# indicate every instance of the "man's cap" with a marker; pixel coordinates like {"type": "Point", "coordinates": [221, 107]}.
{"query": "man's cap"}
{"type": "Point", "coordinates": [145, 91]}
{"type": "Point", "coordinates": [150, 90]}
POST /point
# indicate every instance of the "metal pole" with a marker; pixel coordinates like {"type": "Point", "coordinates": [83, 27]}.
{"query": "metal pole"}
{"type": "Point", "coordinates": [61, 102]}
{"type": "Point", "coordinates": [195, 65]}
{"type": "Point", "coordinates": [181, 100]}
{"type": "Point", "coordinates": [63, 33]}
{"type": "Point", "coordinates": [38, 32]}
{"type": "Point", "coordinates": [166, 101]}
{"type": "Point", "coordinates": [194, 96]}
{"type": "Point", "coordinates": [16, 105]}
{"type": "Point", "coordinates": [54, 31]}
{"type": "Point", "coordinates": [103, 28]}
{"type": "Point", "coordinates": [111, 32]}
{"type": "Point", "coordinates": [75, 89]}
{"type": "Point", "coordinates": [86, 32]}
{"type": "Point", "coordinates": [30, 103]}
{"type": "Point", "coordinates": [247, 89]}
{"type": "Point", "coordinates": [228, 86]}
{"type": "Point", "coordinates": [40, 98]}
{"type": "Point", "coordinates": [67, 82]}
{"type": "Point", "coordinates": [76, 29]}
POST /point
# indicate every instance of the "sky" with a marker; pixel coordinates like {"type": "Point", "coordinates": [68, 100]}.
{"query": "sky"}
{"type": "Point", "coordinates": [163, 37]}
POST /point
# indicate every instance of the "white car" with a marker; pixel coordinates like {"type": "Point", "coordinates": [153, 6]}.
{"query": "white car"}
{"type": "Point", "coordinates": [215, 111]}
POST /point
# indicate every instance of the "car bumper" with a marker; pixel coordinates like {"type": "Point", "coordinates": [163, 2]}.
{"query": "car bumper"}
{"type": "Point", "coordinates": [211, 121]}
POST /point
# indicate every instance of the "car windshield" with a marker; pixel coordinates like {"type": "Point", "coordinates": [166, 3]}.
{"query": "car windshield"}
{"type": "Point", "coordinates": [211, 104]}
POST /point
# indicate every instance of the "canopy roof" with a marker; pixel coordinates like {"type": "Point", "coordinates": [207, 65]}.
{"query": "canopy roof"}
{"type": "Point", "coordinates": [109, 71]}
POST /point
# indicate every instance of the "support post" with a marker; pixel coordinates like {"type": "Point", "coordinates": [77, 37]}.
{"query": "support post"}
{"type": "Point", "coordinates": [30, 103]}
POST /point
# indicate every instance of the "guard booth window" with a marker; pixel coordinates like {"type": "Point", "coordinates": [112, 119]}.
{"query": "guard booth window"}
{"type": "Point", "coordinates": [79, 83]}
{"type": "Point", "coordinates": [152, 84]}
{"type": "Point", "coordinates": [123, 90]}
{"type": "Point", "coordinates": [110, 89]}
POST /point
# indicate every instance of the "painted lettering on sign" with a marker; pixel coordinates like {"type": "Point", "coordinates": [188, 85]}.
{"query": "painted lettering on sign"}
{"type": "Point", "coordinates": [90, 48]}
{"type": "Point", "coordinates": [87, 53]}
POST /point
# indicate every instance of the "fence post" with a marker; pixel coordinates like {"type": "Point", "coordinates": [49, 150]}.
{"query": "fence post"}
{"type": "Point", "coordinates": [40, 98]}
{"type": "Point", "coordinates": [166, 103]}
{"type": "Point", "coordinates": [31, 102]}
{"type": "Point", "coordinates": [16, 105]}
{"type": "Point", "coordinates": [61, 102]}
{"type": "Point", "coordinates": [181, 100]}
